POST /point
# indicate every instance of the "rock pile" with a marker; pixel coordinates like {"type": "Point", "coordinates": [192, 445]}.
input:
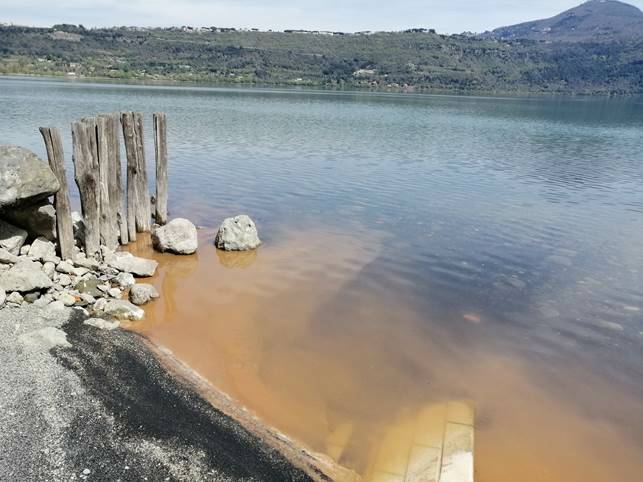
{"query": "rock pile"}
{"type": "Point", "coordinates": [36, 275]}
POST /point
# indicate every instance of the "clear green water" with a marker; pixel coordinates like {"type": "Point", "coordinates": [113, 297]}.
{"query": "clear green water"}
{"type": "Point", "coordinates": [525, 212]}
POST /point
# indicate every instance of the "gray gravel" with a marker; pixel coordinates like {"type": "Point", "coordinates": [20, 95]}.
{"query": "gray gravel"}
{"type": "Point", "coordinates": [80, 403]}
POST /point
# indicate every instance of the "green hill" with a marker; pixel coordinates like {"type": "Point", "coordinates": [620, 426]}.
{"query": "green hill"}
{"type": "Point", "coordinates": [417, 59]}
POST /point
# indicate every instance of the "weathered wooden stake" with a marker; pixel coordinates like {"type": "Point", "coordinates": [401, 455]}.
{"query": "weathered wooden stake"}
{"type": "Point", "coordinates": [139, 212]}
{"type": "Point", "coordinates": [64, 224]}
{"type": "Point", "coordinates": [116, 197]}
{"type": "Point", "coordinates": [129, 134]}
{"type": "Point", "coordinates": [108, 224]}
{"type": "Point", "coordinates": [144, 212]}
{"type": "Point", "coordinates": [160, 151]}
{"type": "Point", "coordinates": [86, 173]}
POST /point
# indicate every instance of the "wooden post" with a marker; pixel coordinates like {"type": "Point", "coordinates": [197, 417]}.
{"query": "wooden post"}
{"type": "Point", "coordinates": [64, 224]}
{"type": "Point", "coordinates": [86, 173]}
{"type": "Point", "coordinates": [116, 197]}
{"type": "Point", "coordinates": [160, 151]}
{"type": "Point", "coordinates": [108, 224]}
{"type": "Point", "coordinates": [139, 212]}
{"type": "Point", "coordinates": [129, 134]}
{"type": "Point", "coordinates": [144, 213]}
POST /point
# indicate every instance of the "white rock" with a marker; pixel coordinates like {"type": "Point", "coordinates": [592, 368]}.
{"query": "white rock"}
{"type": "Point", "coordinates": [125, 280]}
{"type": "Point", "coordinates": [3, 297]}
{"type": "Point", "coordinates": [43, 300]}
{"type": "Point", "coordinates": [85, 262]}
{"type": "Point", "coordinates": [65, 267]}
{"type": "Point", "coordinates": [237, 234]}
{"type": "Point", "coordinates": [49, 269]}
{"type": "Point", "coordinates": [141, 293]}
{"type": "Point", "coordinates": [123, 310]}
{"type": "Point", "coordinates": [45, 338]}
{"type": "Point", "coordinates": [87, 298]}
{"type": "Point", "coordinates": [11, 237]}
{"type": "Point", "coordinates": [6, 257]}
{"type": "Point", "coordinates": [25, 276]}
{"type": "Point", "coordinates": [124, 261]}
{"type": "Point", "coordinates": [51, 259]}
{"type": "Point", "coordinates": [42, 248]}
{"type": "Point", "coordinates": [56, 305]}
{"type": "Point", "coordinates": [15, 297]}
{"type": "Point", "coordinates": [100, 304]}
{"type": "Point", "coordinates": [178, 236]}
{"type": "Point", "coordinates": [102, 323]}
{"type": "Point", "coordinates": [66, 298]}
{"type": "Point", "coordinates": [64, 280]}
{"type": "Point", "coordinates": [114, 292]}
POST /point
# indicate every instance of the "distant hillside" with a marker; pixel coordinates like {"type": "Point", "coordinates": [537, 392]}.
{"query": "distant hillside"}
{"type": "Point", "coordinates": [594, 20]}
{"type": "Point", "coordinates": [413, 60]}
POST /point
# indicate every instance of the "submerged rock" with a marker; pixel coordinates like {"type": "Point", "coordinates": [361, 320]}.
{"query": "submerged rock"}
{"type": "Point", "coordinates": [178, 236]}
{"type": "Point", "coordinates": [25, 178]}
{"type": "Point", "coordinates": [142, 293]}
{"type": "Point", "coordinates": [124, 261]}
{"type": "Point", "coordinates": [123, 310]}
{"type": "Point", "coordinates": [11, 237]}
{"type": "Point", "coordinates": [25, 276]}
{"type": "Point", "coordinates": [237, 234]}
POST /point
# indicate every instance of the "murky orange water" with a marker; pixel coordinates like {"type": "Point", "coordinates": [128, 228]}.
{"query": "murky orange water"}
{"type": "Point", "coordinates": [293, 333]}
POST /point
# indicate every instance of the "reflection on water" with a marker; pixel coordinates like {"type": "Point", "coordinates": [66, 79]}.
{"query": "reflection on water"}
{"type": "Point", "coordinates": [418, 250]}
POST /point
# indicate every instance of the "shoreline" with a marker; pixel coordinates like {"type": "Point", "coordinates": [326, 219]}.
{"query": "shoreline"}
{"type": "Point", "coordinates": [126, 412]}
{"type": "Point", "coordinates": [321, 88]}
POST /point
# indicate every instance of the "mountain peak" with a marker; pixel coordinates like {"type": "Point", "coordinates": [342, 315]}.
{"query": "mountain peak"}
{"type": "Point", "coordinates": [593, 20]}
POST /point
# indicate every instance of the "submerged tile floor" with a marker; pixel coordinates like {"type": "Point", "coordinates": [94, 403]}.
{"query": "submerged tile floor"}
{"type": "Point", "coordinates": [434, 444]}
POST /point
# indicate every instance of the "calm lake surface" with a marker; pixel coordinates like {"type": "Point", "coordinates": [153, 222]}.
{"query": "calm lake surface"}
{"type": "Point", "coordinates": [417, 249]}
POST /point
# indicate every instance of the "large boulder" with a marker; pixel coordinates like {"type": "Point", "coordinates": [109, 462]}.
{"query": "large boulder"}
{"type": "Point", "coordinates": [24, 178]}
{"type": "Point", "coordinates": [11, 237]}
{"type": "Point", "coordinates": [178, 236]}
{"type": "Point", "coordinates": [38, 219]}
{"type": "Point", "coordinates": [237, 234]}
{"type": "Point", "coordinates": [25, 276]}
{"type": "Point", "coordinates": [124, 261]}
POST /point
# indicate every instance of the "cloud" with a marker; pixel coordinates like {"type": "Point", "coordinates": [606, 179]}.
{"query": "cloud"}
{"type": "Point", "coordinates": [347, 15]}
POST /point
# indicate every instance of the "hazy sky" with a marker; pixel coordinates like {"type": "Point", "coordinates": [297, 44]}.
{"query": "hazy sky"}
{"type": "Point", "coordinates": [447, 16]}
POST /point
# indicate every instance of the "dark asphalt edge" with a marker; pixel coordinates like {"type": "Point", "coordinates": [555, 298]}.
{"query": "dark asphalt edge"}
{"type": "Point", "coordinates": [147, 404]}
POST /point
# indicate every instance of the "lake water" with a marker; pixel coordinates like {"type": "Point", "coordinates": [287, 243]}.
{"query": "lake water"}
{"type": "Point", "coordinates": [417, 250]}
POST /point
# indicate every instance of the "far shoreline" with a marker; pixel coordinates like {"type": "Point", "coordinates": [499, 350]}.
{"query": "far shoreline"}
{"type": "Point", "coordinates": [284, 88]}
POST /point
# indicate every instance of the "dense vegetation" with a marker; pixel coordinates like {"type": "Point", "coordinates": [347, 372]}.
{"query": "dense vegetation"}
{"type": "Point", "coordinates": [413, 60]}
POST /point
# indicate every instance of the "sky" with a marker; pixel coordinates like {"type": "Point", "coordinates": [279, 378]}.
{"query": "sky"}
{"type": "Point", "coordinates": [446, 16]}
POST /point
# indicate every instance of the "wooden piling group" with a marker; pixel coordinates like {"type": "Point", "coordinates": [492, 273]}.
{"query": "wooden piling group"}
{"type": "Point", "coordinates": [111, 214]}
